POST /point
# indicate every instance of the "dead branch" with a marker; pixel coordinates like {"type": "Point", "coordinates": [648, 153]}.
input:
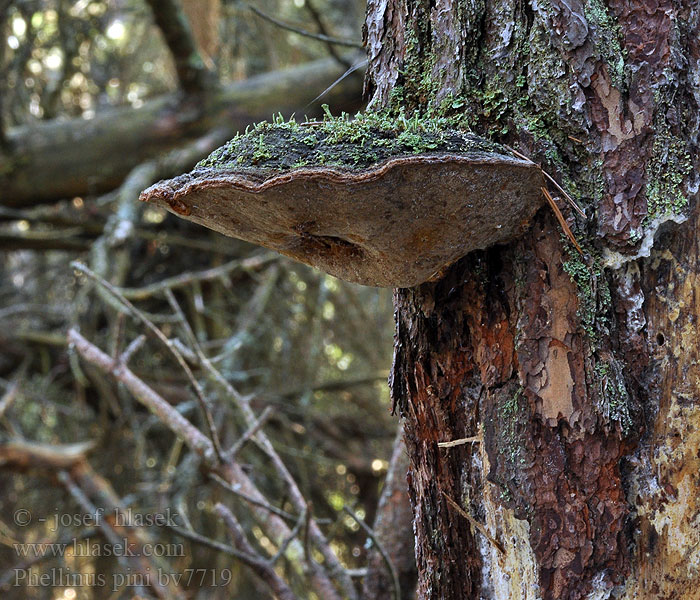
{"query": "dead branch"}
{"type": "Point", "coordinates": [23, 455]}
{"type": "Point", "coordinates": [48, 165]}
{"type": "Point", "coordinates": [199, 392]}
{"type": "Point", "coordinates": [380, 548]}
{"type": "Point", "coordinates": [231, 473]}
{"type": "Point", "coordinates": [171, 20]}
{"type": "Point", "coordinates": [260, 566]}
{"type": "Point", "coordinates": [316, 36]}
{"type": "Point", "coordinates": [183, 279]}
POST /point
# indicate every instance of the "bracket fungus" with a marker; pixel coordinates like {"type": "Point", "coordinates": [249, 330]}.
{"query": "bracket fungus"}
{"type": "Point", "coordinates": [397, 221]}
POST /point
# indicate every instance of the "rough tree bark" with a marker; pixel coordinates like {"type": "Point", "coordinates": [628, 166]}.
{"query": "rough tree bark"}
{"type": "Point", "coordinates": [579, 373]}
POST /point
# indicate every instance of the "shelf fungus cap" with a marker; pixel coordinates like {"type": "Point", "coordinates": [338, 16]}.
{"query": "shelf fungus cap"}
{"type": "Point", "coordinates": [399, 223]}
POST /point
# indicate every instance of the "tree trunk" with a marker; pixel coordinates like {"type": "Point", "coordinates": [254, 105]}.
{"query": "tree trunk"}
{"type": "Point", "coordinates": [577, 373]}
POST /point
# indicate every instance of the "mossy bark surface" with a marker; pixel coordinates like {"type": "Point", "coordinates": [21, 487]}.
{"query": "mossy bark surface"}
{"type": "Point", "coordinates": [575, 372]}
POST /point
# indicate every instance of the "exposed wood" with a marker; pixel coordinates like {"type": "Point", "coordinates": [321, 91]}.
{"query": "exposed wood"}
{"type": "Point", "coordinates": [23, 455]}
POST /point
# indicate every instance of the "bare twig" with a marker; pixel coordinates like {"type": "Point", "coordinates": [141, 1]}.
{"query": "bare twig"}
{"type": "Point", "coordinates": [380, 548]}
{"type": "Point", "coordinates": [263, 568]}
{"type": "Point", "coordinates": [166, 413]}
{"type": "Point", "coordinates": [358, 65]}
{"type": "Point", "coordinates": [205, 541]}
{"type": "Point", "coordinates": [562, 220]}
{"type": "Point", "coordinates": [131, 349]}
{"type": "Point", "coordinates": [204, 447]}
{"type": "Point", "coordinates": [249, 433]}
{"type": "Point", "coordinates": [199, 392]}
{"type": "Point", "coordinates": [460, 442]}
{"type": "Point", "coordinates": [316, 16]}
{"type": "Point", "coordinates": [303, 520]}
{"type": "Point", "coordinates": [9, 397]}
{"type": "Point", "coordinates": [22, 454]}
{"type": "Point", "coordinates": [235, 489]}
{"type": "Point", "coordinates": [109, 533]}
{"type": "Point", "coordinates": [235, 479]}
{"type": "Point", "coordinates": [569, 199]}
{"type": "Point", "coordinates": [316, 36]}
{"type": "Point", "coordinates": [184, 279]}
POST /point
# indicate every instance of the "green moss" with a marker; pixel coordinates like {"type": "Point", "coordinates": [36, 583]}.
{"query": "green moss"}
{"type": "Point", "coordinates": [262, 151]}
{"type": "Point", "coordinates": [344, 142]}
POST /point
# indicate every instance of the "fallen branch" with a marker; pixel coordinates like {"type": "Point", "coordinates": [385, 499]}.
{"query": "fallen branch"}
{"type": "Point", "coordinates": [48, 165]}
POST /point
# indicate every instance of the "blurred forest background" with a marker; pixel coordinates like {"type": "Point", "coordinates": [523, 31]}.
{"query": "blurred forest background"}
{"type": "Point", "coordinates": [281, 369]}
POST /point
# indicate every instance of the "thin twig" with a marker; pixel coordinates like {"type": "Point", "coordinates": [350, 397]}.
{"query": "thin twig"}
{"type": "Point", "coordinates": [316, 16]}
{"type": "Point", "coordinates": [350, 71]}
{"type": "Point", "coordinates": [165, 412]}
{"type": "Point", "coordinates": [183, 279]}
{"type": "Point", "coordinates": [233, 477]}
{"type": "Point", "coordinates": [199, 392]}
{"type": "Point", "coordinates": [204, 541]}
{"type": "Point", "coordinates": [262, 567]}
{"type": "Point", "coordinates": [112, 538]}
{"type": "Point", "coordinates": [475, 523]}
{"type": "Point", "coordinates": [332, 564]}
{"type": "Point", "coordinates": [131, 349]}
{"type": "Point", "coordinates": [249, 433]}
{"type": "Point", "coordinates": [266, 505]}
{"type": "Point", "coordinates": [316, 36]}
{"type": "Point", "coordinates": [382, 551]}
{"type": "Point", "coordinates": [9, 396]}
{"type": "Point", "coordinates": [460, 442]}
{"type": "Point", "coordinates": [303, 519]}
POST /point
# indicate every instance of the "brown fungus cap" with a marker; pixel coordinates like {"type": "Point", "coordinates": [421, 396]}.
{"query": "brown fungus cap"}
{"type": "Point", "coordinates": [395, 224]}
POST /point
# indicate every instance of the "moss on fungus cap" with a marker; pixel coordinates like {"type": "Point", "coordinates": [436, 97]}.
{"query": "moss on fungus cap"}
{"type": "Point", "coordinates": [398, 223]}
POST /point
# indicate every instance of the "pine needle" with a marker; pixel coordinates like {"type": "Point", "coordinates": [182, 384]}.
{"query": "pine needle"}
{"type": "Point", "coordinates": [569, 199]}
{"type": "Point", "coordinates": [561, 219]}
{"type": "Point", "coordinates": [478, 526]}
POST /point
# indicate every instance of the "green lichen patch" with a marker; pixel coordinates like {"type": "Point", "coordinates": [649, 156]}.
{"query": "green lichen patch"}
{"type": "Point", "coordinates": [667, 170]}
{"type": "Point", "coordinates": [593, 293]}
{"type": "Point", "coordinates": [342, 142]}
{"type": "Point", "coordinates": [615, 399]}
{"type": "Point", "coordinates": [606, 37]}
